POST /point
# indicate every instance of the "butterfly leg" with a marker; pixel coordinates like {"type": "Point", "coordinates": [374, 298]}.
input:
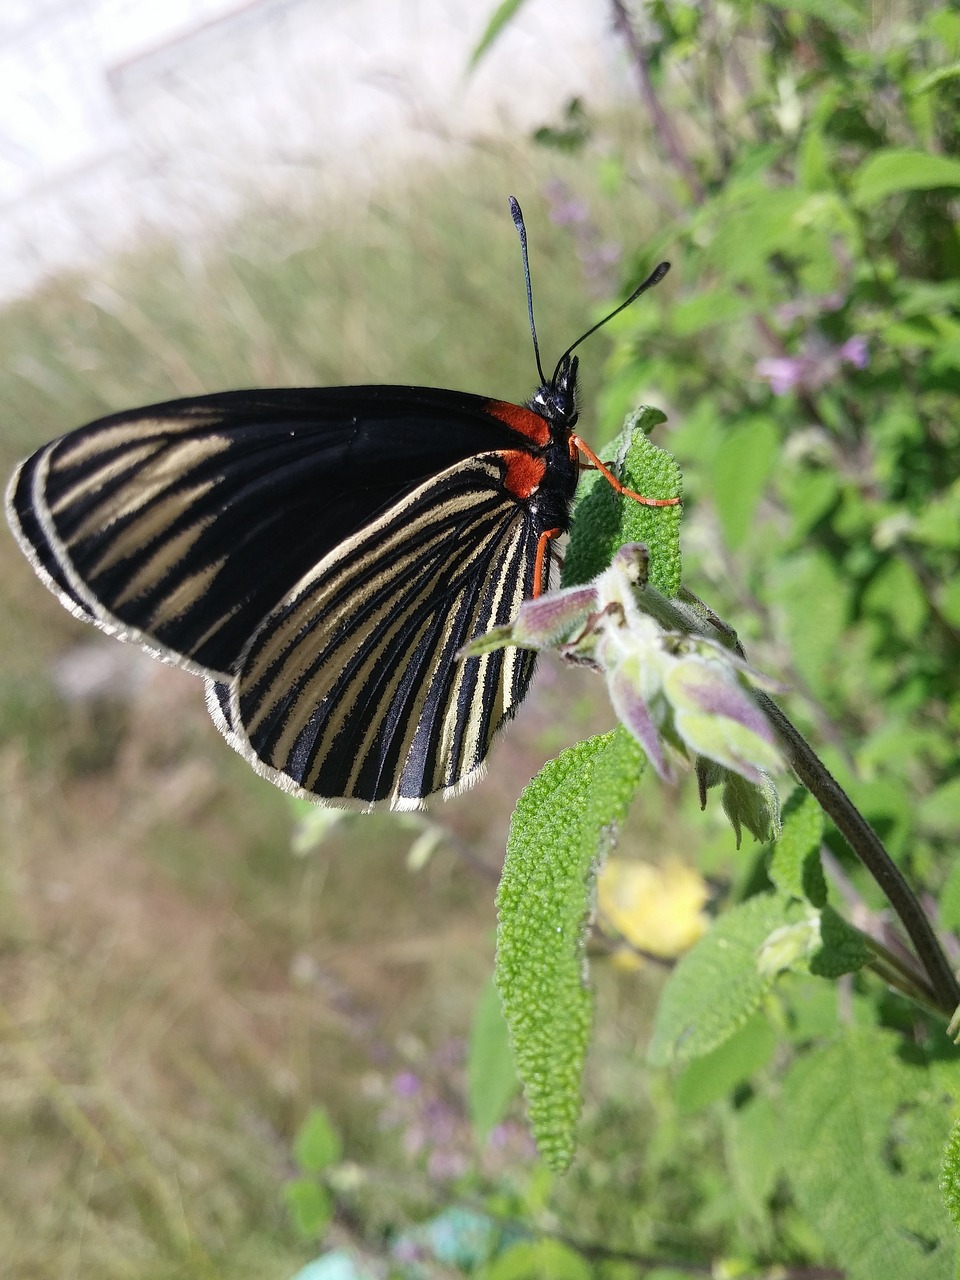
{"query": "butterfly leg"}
{"type": "Point", "coordinates": [594, 462]}
{"type": "Point", "coordinates": [543, 550]}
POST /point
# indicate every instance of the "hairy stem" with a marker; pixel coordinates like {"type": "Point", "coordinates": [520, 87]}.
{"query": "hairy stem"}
{"type": "Point", "coordinates": [866, 844]}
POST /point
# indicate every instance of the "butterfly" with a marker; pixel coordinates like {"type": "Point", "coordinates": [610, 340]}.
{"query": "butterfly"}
{"type": "Point", "coordinates": [320, 557]}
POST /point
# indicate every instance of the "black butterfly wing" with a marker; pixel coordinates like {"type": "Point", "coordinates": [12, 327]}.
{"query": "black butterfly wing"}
{"type": "Point", "coordinates": [183, 524]}
{"type": "Point", "coordinates": [351, 690]}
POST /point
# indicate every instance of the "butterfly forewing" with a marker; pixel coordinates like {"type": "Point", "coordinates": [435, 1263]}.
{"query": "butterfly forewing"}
{"type": "Point", "coordinates": [183, 525]}
{"type": "Point", "coordinates": [353, 686]}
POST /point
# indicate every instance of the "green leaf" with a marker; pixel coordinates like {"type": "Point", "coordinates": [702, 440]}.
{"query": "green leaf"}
{"type": "Point", "coordinates": [718, 984]}
{"type": "Point", "coordinates": [706, 310]}
{"type": "Point", "coordinates": [841, 15]}
{"type": "Point", "coordinates": [716, 1074]}
{"type": "Point", "coordinates": [809, 493]}
{"type": "Point", "coordinates": [895, 592]}
{"type": "Point", "coordinates": [604, 520]}
{"type": "Point", "coordinates": [901, 169]}
{"type": "Point", "coordinates": [502, 15]}
{"type": "Point", "coordinates": [757, 221]}
{"type": "Point", "coordinates": [813, 598]}
{"type": "Point", "coordinates": [795, 862]}
{"type": "Point", "coordinates": [861, 1133]}
{"type": "Point", "coordinates": [564, 821]}
{"type": "Point", "coordinates": [949, 900]}
{"type": "Point", "coordinates": [754, 1161]}
{"type": "Point", "coordinates": [741, 469]}
{"type": "Point", "coordinates": [950, 602]}
{"type": "Point", "coordinates": [950, 1174]}
{"type": "Point", "coordinates": [755, 806]}
{"type": "Point", "coordinates": [940, 811]}
{"type": "Point", "coordinates": [843, 948]}
{"type": "Point", "coordinates": [310, 1205]}
{"type": "Point", "coordinates": [317, 1143]}
{"type": "Point", "coordinates": [938, 524]}
{"type": "Point", "coordinates": [813, 159]}
{"type": "Point", "coordinates": [538, 1260]}
{"type": "Point", "coordinates": [492, 1082]}
{"type": "Point", "coordinates": [938, 77]}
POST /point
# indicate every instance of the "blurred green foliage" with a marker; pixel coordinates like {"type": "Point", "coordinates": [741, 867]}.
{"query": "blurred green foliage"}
{"type": "Point", "coordinates": [807, 350]}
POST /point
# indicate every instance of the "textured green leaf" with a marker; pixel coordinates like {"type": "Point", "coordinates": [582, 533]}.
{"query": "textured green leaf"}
{"type": "Point", "coordinates": [900, 169]}
{"type": "Point", "coordinates": [843, 949]}
{"type": "Point", "coordinates": [604, 520]}
{"type": "Point", "coordinates": [741, 469]}
{"type": "Point", "coordinates": [755, 806]}
{"type": "Point", "coordinates": [862, 1131]}
{"type": "Point", "coordinates": [491, 1071]}
{"type": "Point", "coordinates": [795, 862]}
{"type": "Point", "coordinates": [563, 823]}
{"type": "Point", "coordinates": [950, 1174]}
{"type": "Point", "coordinates": [717, 985]}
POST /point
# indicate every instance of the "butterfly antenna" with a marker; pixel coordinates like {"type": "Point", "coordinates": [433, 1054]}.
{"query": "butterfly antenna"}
{"type": "Point", "coordinates": [518, 222]}
{"type": "Point", "coordinates": [655, 276]}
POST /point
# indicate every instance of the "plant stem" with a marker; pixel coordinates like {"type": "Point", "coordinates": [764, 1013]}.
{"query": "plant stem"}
{"type": "Point", "coordinates": [662, 125]}
{"type": "Point", "coordinates": [866, 844]}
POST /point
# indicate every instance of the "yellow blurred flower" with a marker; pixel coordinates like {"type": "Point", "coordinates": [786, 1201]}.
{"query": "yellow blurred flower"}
{"type": "Point", "coordinates": [655, 908]}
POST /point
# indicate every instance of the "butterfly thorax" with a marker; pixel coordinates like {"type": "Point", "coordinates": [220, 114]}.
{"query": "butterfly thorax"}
{"type": "Point", "coordinates": [556, 402]}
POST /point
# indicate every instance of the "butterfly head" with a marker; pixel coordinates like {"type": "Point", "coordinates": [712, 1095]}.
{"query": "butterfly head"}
{"type": "Point", "coordinates": [556, 400]}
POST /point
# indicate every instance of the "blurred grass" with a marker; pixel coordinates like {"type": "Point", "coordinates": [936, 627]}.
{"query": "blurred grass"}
{"type": "Point", "coordinates": [178, 988]}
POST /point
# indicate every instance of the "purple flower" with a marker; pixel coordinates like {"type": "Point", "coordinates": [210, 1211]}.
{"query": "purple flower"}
{"type": "Point", "coordinates": [406, 1084]}
{"type": "Point", "coordinates": [816, 365]}
{"type": "Point", "coordinates": [854, 351]}
{"type": "Point", "coordinates": [565, 209]}
{"type": "Point", "coordinates": [807, 307]}
{"type": "Point", "coordinates": [782, 372]}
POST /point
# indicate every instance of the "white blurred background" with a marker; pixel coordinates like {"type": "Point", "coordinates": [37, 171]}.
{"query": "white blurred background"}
{"type": "Point", "coordinates": [122, 116]}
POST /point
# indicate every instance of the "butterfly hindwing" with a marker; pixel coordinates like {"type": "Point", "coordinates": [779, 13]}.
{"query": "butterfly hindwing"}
{"type": "Point", "coordinates": [352, 687]}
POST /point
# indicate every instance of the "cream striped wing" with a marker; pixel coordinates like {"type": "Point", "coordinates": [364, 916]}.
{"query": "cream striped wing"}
{"type": "Point", "coordinates": [351, 689]}
{"type": "Point", "coordinates": [182, 525]}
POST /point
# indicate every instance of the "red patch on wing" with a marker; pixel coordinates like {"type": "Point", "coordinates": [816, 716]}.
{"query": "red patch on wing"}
{"type": "Point", "coordinates": [518, 418]}
{"type": "Point", "coordinates": [524, 474]}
